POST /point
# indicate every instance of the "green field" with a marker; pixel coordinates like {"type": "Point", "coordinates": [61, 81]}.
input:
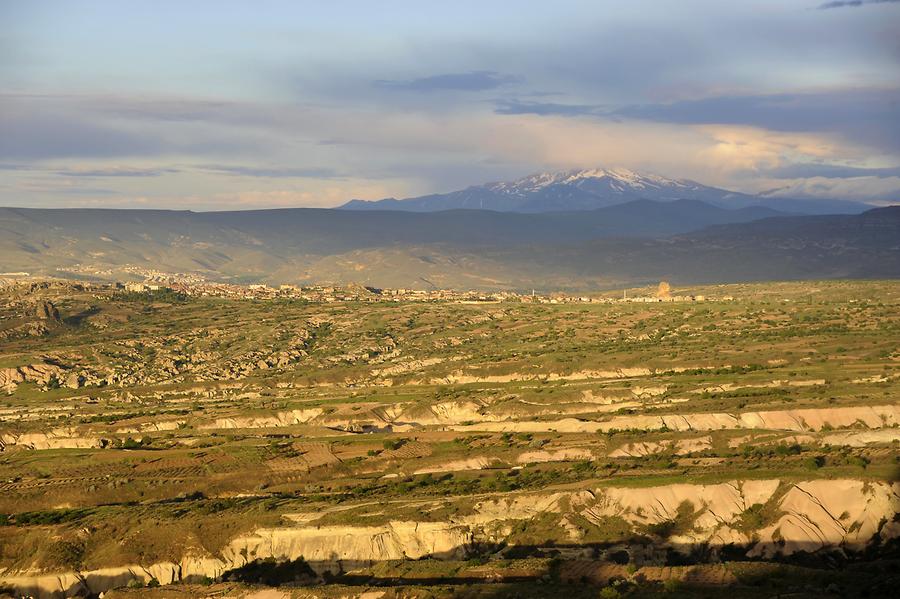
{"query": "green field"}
{"type": "Point", "coordinates": [447, 449]}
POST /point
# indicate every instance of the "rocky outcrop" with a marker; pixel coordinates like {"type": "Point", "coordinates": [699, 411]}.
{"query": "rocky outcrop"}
{"type": "Point", "coordinates": [460, 377]}
{"type": "Point", "coordinates": [477, 463]}
{"type": "Point", "coordinates": [93, 582]}
{"type": "Point", "coordinates": [711, 510]}
{"type": "Point", "coordinates": [491, 513]}
{"type": "Point", "coordinates": [446, 412]}
{"type": "Point", "coordinates": [821, 514]}
{"type": "Point", "coordinates": [152, 427]}
{"type": "Point", "coordinates": [47, 311]}
{"type": "Point", "coordinates": [10, 379]}
{"type": "Point", "coordinates": [60, 438]}
{"type": "Point", "coordinates": [862, 438]}
{"type": "Point", "coordinates": [40, 373]}
{"type": "Point", "coordinates": [278, 419]}
{"type": "Point", "coordinates": [798, 517]}
{"type": "Point", "coordinates": [570, 454]}
{"type": "Point", "coordinates": [326, 548]}
{"type": "Point", "coordinates": [673, 446]}
{"type": "Point", "coordinates": [811, 516]}
{"type": "Point", "coordinates": [808, 419]}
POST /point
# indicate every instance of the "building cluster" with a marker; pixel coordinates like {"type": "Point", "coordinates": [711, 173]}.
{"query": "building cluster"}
{"type": "Point", "coordinates": [359, 293]}
{"type": "Point", "coordinates": [652, 299]}
{"type": "Point", "coordinates": [149, 275]}
{"type": "Point", "coordinates": [198, 286]}
{"type": "Point", "coordinates": [327, 294]}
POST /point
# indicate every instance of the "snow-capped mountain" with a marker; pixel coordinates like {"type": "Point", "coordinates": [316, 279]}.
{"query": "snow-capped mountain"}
{"type": "Point", "coordinates": [618, 180]}
{"type": "Point", "coordinates": [589, 189]}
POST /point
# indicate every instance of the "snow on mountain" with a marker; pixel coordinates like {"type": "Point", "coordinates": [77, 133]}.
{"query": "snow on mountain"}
{"type": "Point", "coordinates": [620, 179]}
{"type": "Point", "coordinates": [590, 189]}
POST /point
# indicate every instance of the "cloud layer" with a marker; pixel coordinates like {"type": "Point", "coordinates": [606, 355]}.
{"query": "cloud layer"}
{"type": "Point", "coordinates": [183, 107]}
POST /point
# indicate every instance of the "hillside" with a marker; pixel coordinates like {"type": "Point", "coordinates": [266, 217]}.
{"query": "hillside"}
{"type": "Point", "coordinates": [633, 242]}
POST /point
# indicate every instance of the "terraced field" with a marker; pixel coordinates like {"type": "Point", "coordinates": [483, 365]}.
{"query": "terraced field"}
{"type": "Point", "coordinates": [163, 446]}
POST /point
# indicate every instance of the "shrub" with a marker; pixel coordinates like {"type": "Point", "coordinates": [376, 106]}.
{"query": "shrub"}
{"type": "Point", "coordinates": [814, 462]}
{"type": "Point", "coordinates": [673, 585]}
{"type": "Point", "coordinates": [609, 593]}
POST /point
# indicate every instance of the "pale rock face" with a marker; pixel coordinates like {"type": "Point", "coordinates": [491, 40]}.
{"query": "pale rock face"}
{"type": "Point", "coordinates": [830, 513]}
{"type": "Point", "coordinates": [815, 515]}
{"type": "Point", "coordinates": [74, 381]}
{"type": "Point", "coordinates": [329, 547]}
{"type": "Point", "coordinates": [620, 373]}
{"type": "Point", "coordinates": [647, 392]}
{"type": "Point", "coordinates": [10, 378]}
{"type": "Point", "coordinates": [47, 311]}
{"type": "Point", "coordinates": [561, 455]}
{"type": "Point", "coordinates": [524, 507]}
{"type": "Point", "coordinates": [716, 506]}
{"type": "Point", "coordinates": [802, 420]}
{"type": "Point", "coordinates": [279, 419]}
{"type": "Point", "coordinates": [147, 427]}
{"type": "Point", "coordinates": [448, 412]}
{"type": "Point", "coordinates": [72, 584]}
{"type": "Point", "coordinates": [676, 446]}
{"type": "Point", "coordinates": [713, 507]}
{"type": "Point", "coordinates": [60, 438]}
{"type": "Point", "coordinates": [406, 367]}
{"type": "Point", "coordinates": [324, 548]}
{"type": "Point", "coordinates": [862, 438]}
{"type": "Point", "coordinates": [815, 419]}
{"type": "Point", "coordinates": [477, 463]}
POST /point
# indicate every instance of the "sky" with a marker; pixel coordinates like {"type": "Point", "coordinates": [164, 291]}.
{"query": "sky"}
{"type": "Point", "coordinates": [214, 105]}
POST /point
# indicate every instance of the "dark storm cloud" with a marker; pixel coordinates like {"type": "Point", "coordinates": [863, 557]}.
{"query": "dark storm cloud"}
{"type": "Point", "coordinates": [868, 116]}
{"type": "Point", "coordinates": [46, 127]}
{"type": "Point", "coordinates": [865, 116]}
{"type": "Point", "coordinates": [470, 82]}
{"type": "Point", "coordinates": [851, 3]}
{"type": "Point", "coordinates": [829, 171]}
{"type": "Point", "coordinates": [780, 112]}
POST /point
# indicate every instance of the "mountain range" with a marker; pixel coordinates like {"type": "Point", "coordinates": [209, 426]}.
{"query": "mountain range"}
{"type": "Point", "coordinates": [589, 189]}
{"type": "Point", "coordinates": [636, 242]}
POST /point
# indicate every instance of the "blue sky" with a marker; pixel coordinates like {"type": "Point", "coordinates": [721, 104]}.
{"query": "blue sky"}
{"type": "Point", "coordinates": [215, 105]}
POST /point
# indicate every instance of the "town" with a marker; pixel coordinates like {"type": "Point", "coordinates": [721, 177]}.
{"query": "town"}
{"type": "Point", "coordinates": [360, 293]}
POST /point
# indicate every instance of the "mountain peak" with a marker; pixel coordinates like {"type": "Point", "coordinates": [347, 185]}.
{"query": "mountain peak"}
{"type": "Point", "coordinates": [589, 189]}
{"type": "Point", "coordinates": [622, 177]}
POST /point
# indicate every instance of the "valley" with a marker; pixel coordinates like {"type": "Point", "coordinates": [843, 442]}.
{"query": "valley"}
{"type": "Point", "coordinates": [163, 445]}
{"type": "Point", "coordinates": [631, 244]}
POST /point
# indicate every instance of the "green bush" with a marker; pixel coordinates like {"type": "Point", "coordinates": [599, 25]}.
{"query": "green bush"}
{"type": "Point", "coordinates": [814, 462]}
{"type": "Point", "coordinates": [393, 443]}
{"type": "Point", "coordinates": [673, 585]}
